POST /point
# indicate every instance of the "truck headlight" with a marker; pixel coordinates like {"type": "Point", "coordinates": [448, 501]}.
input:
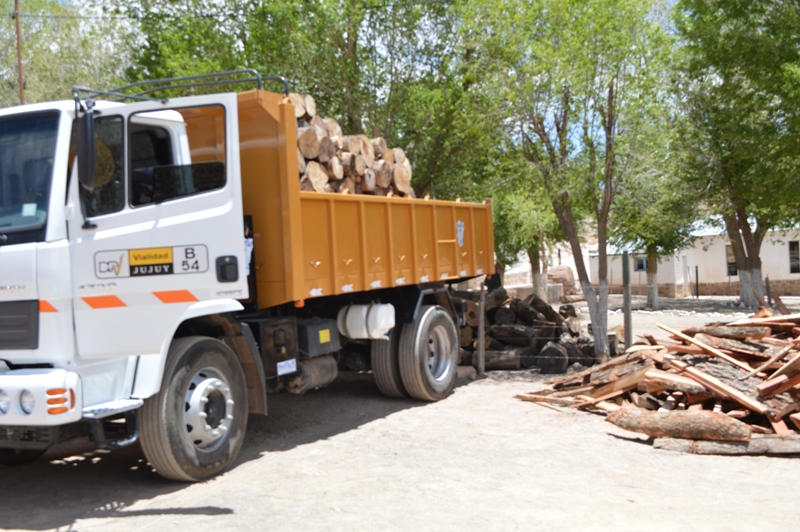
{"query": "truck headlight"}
{"type": "Point", "coordinates": [27, 401]}
{"type": "Point", "coordinates": [5, 402]}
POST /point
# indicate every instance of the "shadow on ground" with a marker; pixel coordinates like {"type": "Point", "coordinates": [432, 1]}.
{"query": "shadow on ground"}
{"type": "Point", "coordinates": [75, 481]}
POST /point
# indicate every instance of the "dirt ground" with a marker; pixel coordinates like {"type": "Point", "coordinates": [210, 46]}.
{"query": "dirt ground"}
{"type": "Point", "coordinates": [346, 458]}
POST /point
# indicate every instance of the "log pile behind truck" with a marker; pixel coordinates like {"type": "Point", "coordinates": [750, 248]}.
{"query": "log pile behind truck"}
{"type": "Point", "coordinates": [523, 334]}
{"type": "Point", "coordinates": [330, 161]}
{"type": "Point", "coordinates": [724, 388]}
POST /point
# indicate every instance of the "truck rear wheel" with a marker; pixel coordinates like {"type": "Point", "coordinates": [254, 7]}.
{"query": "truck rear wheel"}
{"type": "Point", "coordinates": [15, 457]}
{"type": "Point", "coordinates": [194, 427]}
{"type": "Point", "coordinates": [429, 355]}
{"type": "Point", "coordinates": [386, 366]}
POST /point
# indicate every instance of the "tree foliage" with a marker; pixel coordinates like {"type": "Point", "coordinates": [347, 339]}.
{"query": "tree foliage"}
{"type": "Point", "coordinates": [740, 85]}
{"type": "Point", "coordinates": [392, 70]}
{"type": "Point", "coordinates": [579, 81]}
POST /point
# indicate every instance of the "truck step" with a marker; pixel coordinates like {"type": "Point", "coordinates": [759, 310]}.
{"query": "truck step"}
{"type": "Point", "coordinates": [111, 408]}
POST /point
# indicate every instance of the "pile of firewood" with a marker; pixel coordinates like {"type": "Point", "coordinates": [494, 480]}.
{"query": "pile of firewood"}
{"type": "Point", "coordinates": [725, 388]}
{"type": "Point", "coordinates": [330, 161]}
{"type": "Point", "coordinates": [523, 334]}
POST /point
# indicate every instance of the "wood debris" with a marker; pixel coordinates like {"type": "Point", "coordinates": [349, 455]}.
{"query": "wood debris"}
{"type": "Point", "coordinates": [724, 388]}
{"type": "Point", "coordinates": [530, 331]}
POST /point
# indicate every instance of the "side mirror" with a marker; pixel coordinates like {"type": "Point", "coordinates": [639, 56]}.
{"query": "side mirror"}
{"type": "Point", "coordinates": [85, 147]}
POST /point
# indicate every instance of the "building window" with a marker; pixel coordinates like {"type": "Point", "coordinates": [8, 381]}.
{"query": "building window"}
{"type": "Point", "coordinates": [794, 256]}
{"type": "Point", "coordinates": [640, 264]}
{"type": "Point", "coordinates": [731, 261]}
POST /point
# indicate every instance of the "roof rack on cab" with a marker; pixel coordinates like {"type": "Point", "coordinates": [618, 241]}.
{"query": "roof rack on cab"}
{"type": "Point", "coordinates": [148, 87]}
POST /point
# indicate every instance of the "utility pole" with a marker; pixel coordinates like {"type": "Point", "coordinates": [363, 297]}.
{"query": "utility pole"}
{"type": "Point", "coordinates": [20, 76]}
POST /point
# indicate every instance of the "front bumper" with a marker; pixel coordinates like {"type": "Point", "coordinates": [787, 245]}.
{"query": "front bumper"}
{"type": "Point", "coordinates": [58, 395]}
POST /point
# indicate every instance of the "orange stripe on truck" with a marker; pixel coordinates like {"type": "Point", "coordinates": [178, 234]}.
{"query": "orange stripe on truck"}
{"type": "Point", "coordinates": [97, 302]}
{"type": "Point", "coordinates": [45, 306]}
{"type": "Point", "coordinates": [176, 296]}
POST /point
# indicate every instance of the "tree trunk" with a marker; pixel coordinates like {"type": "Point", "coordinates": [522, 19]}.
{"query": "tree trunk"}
{"type": "Point", "coordinates": [700, 425]}
{"type": "Point", "coordinates": [652, 278]}
{"type": "Point", "coordinates": [538, 279]}
{"type": "Point", "coordinates": [746, 288]}
{"type": "Point", "coordinates": [500, 269]}
{"type": "Point", "coordinates": [597, 301]}
{"type": "Point", "coordinates": [746, 245]}
{"type": "Point", "coordinates": [500, 360]}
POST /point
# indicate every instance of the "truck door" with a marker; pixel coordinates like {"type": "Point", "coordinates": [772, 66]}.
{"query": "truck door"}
{"type": "Point", "coordinates": [164, 231]}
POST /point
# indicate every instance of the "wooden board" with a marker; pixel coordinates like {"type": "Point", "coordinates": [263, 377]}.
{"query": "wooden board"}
{"type": "Point", "coordinates": [708, 349]}
{"type": "Point", "coordinates": [762, 321]}
{"type": "Point", "coordinates": [712, 383]}
{"type": "Point", "coordinates": [624, 383]}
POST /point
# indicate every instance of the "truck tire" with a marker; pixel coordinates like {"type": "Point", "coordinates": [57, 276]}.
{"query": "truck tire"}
{"type": "Point", "coordinates": [15, 457]}
{"type": "Point", "coordinates": [386, 366]}
{"type": "Point", "coordinates": [429, 355]}
{"type": "Point", "coordinates": [193, 428]}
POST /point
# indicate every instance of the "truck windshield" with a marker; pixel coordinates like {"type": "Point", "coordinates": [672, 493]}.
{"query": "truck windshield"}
{"type": "Point", "coordinates": [27, 149]}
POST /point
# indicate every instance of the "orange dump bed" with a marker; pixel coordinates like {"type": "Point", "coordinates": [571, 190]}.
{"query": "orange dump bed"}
{"type": "Point", "coordinates": [310, 244]}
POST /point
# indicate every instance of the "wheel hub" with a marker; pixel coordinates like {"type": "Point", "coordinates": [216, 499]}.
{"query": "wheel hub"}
{"type": "Point", "coordinates": [439, 348]}
{"type": "Point", "coordinates": [208, 409]}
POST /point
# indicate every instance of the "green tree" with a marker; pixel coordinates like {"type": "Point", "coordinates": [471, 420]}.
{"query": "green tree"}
{"type": "Point", "coordinates": [741, 85]}
{"type": "Point", "coordinates": [60, 48]}
{"type": "Point", "coordinates": [393, 70]}
{"type": "Point", "coordinates": [578, 79]}
{"type": "Point", "coordinates": [655, 213]}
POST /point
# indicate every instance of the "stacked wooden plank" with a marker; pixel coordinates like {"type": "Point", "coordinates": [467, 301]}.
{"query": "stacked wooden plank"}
{"type": "Point", "coordinates": [329, 161]}
{"type": "Point", "coordinates": [522, 334]}
{"type": "Point", "coordinates": [731, 388]}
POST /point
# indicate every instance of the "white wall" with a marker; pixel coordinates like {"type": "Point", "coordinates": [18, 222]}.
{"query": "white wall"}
{"type": "Point", "coordinates": [708, 255]}
{"type": "Point", "coordinates": [520, 273]}
{"type": "Point", "coordinates": [668, 270]}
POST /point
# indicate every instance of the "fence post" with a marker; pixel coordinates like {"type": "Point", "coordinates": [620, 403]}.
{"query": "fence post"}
{"type": "Point", "coordinates": [626, 299]}
{"type": "Point", "coordinates": [769, 294]}
{"type": "Point", "coordinates": [697, 282]}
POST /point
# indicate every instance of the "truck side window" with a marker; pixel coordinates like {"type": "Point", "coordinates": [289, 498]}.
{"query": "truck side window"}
{"type": "Point", "coordinates": [108, 195]}
{"type": "Point", "coordinates": [150, 148]}
{"type": "Point", "coordinates": [176, 153]}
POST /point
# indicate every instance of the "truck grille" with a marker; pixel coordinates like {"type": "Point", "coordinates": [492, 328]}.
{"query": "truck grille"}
{"type": "Point", "coordinates": [19, 325]}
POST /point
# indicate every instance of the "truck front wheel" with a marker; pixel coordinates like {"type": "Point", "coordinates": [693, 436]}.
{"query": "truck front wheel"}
{"type": "Point", "coordinates": [194, 427]}
{"type": "Point", "coordinates": [429, 355]}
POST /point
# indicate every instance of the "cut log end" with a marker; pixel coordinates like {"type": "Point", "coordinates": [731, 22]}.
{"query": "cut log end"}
{"type": "Point", "coordinates": [310, 106]}
{"type": "Point", "coordinates": [299, 104]}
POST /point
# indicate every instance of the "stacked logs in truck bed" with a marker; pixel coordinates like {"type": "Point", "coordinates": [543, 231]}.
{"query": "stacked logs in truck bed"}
{"type": "Point", "coordinates": [523, 334]}
{"type": "Point", "coordinates": [724, 388]}
{"type": "Point", "coordinates": [330, 161]}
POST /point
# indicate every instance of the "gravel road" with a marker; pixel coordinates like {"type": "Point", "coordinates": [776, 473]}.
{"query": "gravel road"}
{"type": "Point", "coordinates": [346, 458]}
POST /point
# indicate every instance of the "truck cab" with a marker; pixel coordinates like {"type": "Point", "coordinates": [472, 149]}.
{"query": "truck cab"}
{"type": "Point", "coordinates": [95, 282]}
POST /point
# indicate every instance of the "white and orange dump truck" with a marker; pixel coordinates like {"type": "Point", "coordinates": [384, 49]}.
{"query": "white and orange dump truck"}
{"type": "Point", "coordinates": [161, 271]}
